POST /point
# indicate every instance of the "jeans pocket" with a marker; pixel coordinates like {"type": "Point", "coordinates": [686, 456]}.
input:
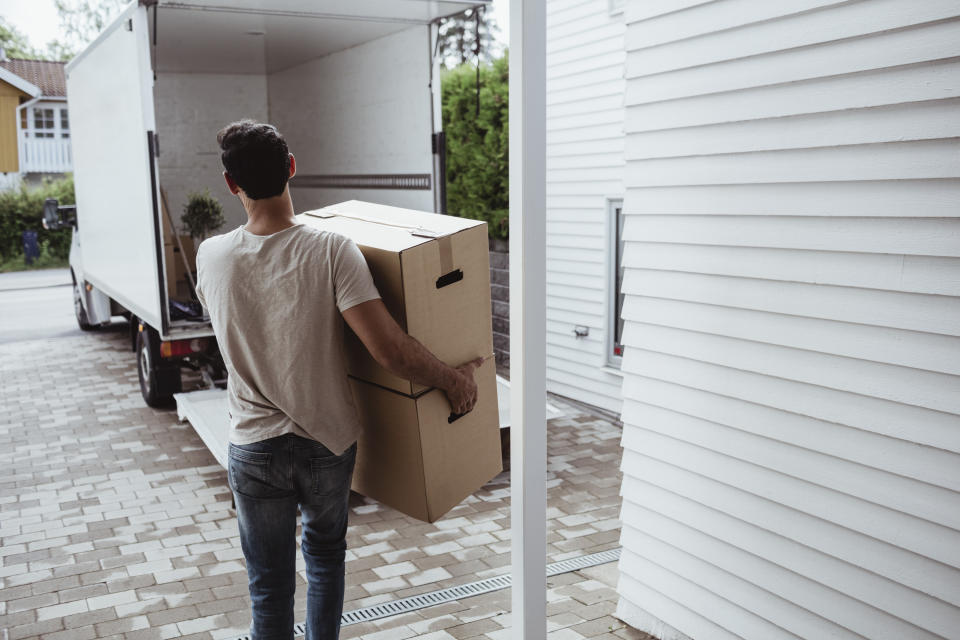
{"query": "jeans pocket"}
{"type": "Point", "coordinates": [331, 474]}
{"type": "Point", "coordinates": [247, 470]}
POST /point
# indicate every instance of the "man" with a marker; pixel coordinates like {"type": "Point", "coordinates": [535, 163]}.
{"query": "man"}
{"type": "Point", "coordinates": [278, 292]}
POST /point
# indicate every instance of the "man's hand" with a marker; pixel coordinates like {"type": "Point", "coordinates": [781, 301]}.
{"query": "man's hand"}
{"type": "Point", "coordinates": [463, 393]}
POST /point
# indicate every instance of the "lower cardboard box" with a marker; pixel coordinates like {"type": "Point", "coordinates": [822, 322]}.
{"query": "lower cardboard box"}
{"type": "Point", "coordinates": [416, 457]}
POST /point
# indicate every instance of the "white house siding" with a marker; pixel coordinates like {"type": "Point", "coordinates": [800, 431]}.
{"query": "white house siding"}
{"type": "Point", "coordinates": [585, 165]}
{"type": "Point", "coordinates": [792, 392]}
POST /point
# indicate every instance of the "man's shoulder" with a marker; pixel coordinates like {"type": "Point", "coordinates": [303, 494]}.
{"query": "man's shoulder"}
{"type": "Point", "coordinates": [310, 230]}
{"type": "Point", "coordinates": [326, 237]}
{"type": "Point", "coordinates": [216, 242]}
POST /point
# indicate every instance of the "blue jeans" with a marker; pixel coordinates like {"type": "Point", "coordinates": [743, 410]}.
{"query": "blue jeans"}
{"type": "Point", "coordinates": [269, 479]}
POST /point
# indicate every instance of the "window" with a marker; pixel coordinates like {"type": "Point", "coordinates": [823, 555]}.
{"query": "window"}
{"type": "Point", "coordinates": [45, 122]}
{"type": "Point", "coordinates": [44, 125]}
{"type": "Point", "coordinates": [615, 342]}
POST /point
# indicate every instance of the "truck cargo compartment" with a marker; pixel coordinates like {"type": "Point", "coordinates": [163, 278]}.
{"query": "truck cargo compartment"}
{"type": "Point", "coordinates": [351, 86]}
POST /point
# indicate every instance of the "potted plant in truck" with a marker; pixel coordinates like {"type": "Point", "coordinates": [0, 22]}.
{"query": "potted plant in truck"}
{"type": "Point", "coordinates": [202, 215]}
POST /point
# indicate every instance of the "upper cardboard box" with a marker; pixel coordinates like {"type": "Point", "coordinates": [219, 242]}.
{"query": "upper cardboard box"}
{"type": "Point", "coordinates": [433, 273]}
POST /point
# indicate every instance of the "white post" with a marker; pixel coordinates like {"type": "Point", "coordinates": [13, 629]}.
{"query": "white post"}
{"type": "Point", "coordinates": [436, 112]}
{"type": "Point", "coordinates": [528, 260]}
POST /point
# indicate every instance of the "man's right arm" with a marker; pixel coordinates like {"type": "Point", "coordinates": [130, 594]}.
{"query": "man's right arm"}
{"type": "Point", "coordinates": [404, 356]}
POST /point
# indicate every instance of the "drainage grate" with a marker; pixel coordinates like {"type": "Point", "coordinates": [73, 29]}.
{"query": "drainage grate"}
{"type": "Point", "coordinates": [575, 564]}
{"type": "Point", "coordinates": [424, 600]}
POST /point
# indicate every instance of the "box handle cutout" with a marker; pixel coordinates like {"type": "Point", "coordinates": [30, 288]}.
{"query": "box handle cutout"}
{"type": "Point", "coordinates": [450, 278]}
{"type": "Point", "coordinates": [453, 417]}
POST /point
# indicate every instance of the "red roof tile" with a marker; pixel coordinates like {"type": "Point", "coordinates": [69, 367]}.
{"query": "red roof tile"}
{"type": "Point", "coordinates": [45, 74]}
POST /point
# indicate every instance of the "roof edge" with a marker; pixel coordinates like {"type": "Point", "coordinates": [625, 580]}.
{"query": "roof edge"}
{"type": "Point", "coordinates": [20, 83]}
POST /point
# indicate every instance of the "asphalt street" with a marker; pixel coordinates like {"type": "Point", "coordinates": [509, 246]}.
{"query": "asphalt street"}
{"type": "Point", "coordinates": [35, 305]}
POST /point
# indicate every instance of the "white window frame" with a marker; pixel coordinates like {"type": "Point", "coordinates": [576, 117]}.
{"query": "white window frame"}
{"type": "Point", "coordinates": [614, 233]}
{"type": "Point", "coordinates": [63, 112]}
{"type": "Point", "coordinates": [30, 132]}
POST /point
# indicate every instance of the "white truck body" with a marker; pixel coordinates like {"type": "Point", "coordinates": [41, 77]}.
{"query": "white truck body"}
{"type": "Point", "coordinates": [350, 84]}
{"type": "Point", "coordinates": [354, 86]}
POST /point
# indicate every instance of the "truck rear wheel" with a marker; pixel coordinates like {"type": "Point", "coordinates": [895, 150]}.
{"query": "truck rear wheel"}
{"type": "Point", "coordinates": [159, 380]}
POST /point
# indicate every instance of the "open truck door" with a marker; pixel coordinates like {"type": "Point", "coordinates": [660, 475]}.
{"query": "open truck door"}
{"type": "Point", "coordinates": [110, 88]}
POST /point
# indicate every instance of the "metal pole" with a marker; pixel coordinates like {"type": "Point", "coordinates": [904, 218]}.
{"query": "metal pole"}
{"type": "Point", "coordinates": [528, 438]}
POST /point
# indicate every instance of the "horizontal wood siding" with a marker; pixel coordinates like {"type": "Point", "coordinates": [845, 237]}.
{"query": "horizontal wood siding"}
{"type": "Point", "coordinates": [791, 396]}
{"type": "Point", "coordinates": [585, 165]}
{"type": "Point", "coordinates": [10, 98]}
{"type": "Point", "coordinates": [8, 134]}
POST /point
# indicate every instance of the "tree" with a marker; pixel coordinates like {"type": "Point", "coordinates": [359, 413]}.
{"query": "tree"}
{"type": "Point", "coordinates": [57, 50]}
{"type": "Point", "coordinates": [478, 154]}
{"type": "Point", "coordinates": [458, 38]}
{"type": "Point", "coordinates": [80, 22]}
{"type": "Point", "coordinates": [14, 43]}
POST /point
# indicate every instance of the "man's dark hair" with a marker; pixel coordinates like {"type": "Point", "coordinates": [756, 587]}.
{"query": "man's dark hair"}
{"type": "Point", "coordinates": [256, 157]}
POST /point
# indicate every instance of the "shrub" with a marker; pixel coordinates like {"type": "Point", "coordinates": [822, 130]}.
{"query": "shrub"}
{"type": "Point", "coordinates": [478, 175]}
{"type": "Point", "coordinates": [21, 209]}
{"type": "Point", "coordinates": [202, 215]}
{"type": "Point", "coordinates": [46, 260]}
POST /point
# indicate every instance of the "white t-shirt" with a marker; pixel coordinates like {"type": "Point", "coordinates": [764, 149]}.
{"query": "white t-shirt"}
{"type": "Point", "coordinates": [275, 304]}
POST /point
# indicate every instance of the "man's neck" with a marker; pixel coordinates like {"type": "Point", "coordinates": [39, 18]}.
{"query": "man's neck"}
{"type": "Point", "coordinates": [269, 215]}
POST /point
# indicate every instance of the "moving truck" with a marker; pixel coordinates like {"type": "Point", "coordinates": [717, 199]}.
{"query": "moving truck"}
{"type": "Point", "coordinates": [354, 86]}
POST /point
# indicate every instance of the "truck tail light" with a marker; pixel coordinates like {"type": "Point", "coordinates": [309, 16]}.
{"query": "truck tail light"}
{"type": "Point", "coordinates": [175, 348]}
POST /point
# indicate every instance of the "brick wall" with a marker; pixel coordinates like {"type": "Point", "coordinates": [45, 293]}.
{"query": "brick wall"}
{"type": "Point", "coordinates": [500, 294]}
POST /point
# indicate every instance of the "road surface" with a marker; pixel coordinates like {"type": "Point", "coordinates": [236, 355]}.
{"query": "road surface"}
{"type": "Point", "coordinates": [36, 304]}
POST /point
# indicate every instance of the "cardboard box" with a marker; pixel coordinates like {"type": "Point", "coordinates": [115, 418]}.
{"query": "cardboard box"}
{"type": "Point", "coordinates": [178, 285]}
{"type": "Point", "coordinates": [433, 273]}
{"type": "Point", "coordinates": [165, 225]}
{"type": "Point", "coordinates": [189, 249]}
{"type": "Point", "coordinates": [413, 458]}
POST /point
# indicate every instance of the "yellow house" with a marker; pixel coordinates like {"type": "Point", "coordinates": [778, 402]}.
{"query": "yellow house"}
{"type": "Point", "coordinates": [34, 123]}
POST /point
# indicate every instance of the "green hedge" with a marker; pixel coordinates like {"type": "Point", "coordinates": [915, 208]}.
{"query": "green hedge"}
{"type": "Point", "coordinates": [22, 209]}
{"type": "Point", "coordinates": [477, 146]}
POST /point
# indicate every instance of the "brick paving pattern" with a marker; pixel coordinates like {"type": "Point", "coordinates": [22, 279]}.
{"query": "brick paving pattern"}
{"type": "Point", "coordinates": [116, 520]}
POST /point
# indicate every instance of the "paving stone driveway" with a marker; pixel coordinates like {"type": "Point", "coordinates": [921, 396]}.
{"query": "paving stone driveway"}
{"type": "Point", "coordinates": [116, 521]}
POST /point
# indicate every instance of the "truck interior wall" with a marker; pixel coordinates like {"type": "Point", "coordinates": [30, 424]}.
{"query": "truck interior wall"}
{"type": "Point", "coordinates": [364, 110]}
{"type": "Point", "coordinates": [190, 109]}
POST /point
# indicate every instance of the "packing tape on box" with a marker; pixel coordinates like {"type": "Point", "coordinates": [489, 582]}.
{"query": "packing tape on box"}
{"type": "Point", "coordinates": [444, 242]}
{"type": "Point", "coordinates": [421, 232]}
{"type": "Point", "coordinates": [445, 246]}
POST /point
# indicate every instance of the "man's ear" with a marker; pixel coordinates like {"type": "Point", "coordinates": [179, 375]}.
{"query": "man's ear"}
{"type": "Point", "coordinates": [293, 166]}
{"type": "Point", "coordinates": [234, 188]}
